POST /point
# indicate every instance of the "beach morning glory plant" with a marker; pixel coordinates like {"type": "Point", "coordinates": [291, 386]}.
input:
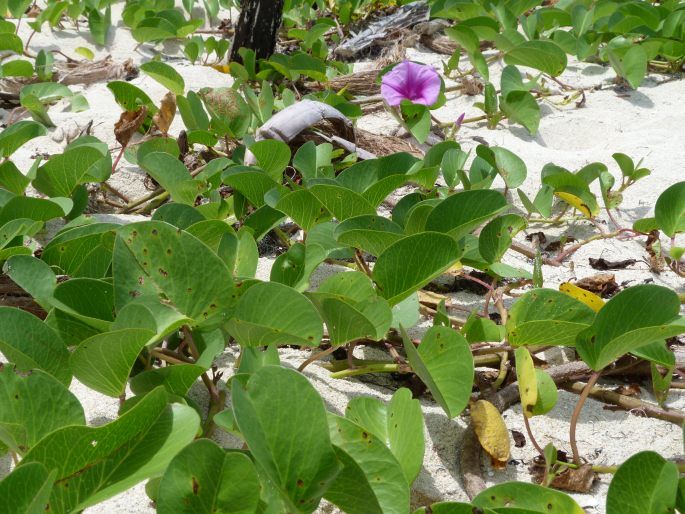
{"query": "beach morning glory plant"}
{"type": "Point", "coordinates": [409, 91]}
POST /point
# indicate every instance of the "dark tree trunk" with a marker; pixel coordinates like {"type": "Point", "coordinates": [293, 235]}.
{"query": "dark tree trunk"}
{"type": "Point", "coordinates": [257, 27]}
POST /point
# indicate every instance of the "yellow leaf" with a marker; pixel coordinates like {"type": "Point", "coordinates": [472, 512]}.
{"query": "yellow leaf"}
{"type": "Point", "coordinates": [491, 431]}
{"type": "Point", "coordinates": [575, 202]}
{"type": "Point", "coordinates": [223, 68]}
{"type": "Point", "coordinates": [587, 297]}
{"type": "Point", "coordinates": [528, 384]}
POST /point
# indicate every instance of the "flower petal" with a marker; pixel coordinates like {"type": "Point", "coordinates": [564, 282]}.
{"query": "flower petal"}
{"type": "Point", "coordinates": [427, 86]}
{"type": "Point", "coordinates": [394, 85]}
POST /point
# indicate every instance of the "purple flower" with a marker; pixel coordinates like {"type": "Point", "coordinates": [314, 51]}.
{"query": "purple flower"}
{"type": "Point", "coordinates": [418, 83]}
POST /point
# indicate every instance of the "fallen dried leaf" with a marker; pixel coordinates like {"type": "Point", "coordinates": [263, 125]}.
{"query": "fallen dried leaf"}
{"type": "Point", "coordinates": [540, 236]}
{"type": "Point", "coordinates": [603, 284]}
{"type": "Point", "coordinates": [519, 439]}
{"type": "Point", "coordinates": [129, 122]}
{"type": "Point", "coordinates": [491, 431]}
{"type": "Point", "coordinates": [603, 264]}
{"type": "Point", "coordinates": [628, 389]}
{"type": "Point", "coordinates": [576, 480]}
{"type": "Point", "coordinates": [167, 110]}
{"type": "Point", "coordinates": [555, 246]}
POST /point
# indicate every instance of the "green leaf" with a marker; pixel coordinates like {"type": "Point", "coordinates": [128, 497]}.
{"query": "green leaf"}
{"type": "Point", "coordinates": [631, 65]}
{"type": "Point", "coordinates": [94, 464]}
{"type": "Point", "coordinates": [526, 497]}
{"type": "Point", "coordinates": [176, 379]}
{"type": "Point", "coordinates": [99, 24]}
{"type": "Point", "coordinates": [82, 251]}
{"type": "Point", "coordinates": [444, 363]}
{"type": "Point", "coordinates": [542, 55]}
{"type": "Point", "coordinates": [418, 119]}
{"type": "Point", "coordinates": [104, 361]}
{"type": "Point", "coordinates": [12, 179]}
{"type": "Point", "coordinates": [633, 318]}
{"type": "Point", "coordinates": [546, 316]}
{"type": "Point", "coordinates": [253, 183]}
{"type": "Point", "coordinates": [12, 42]}
{"type": "Point", "coordinates": [372, 480]}
{"type": "Point", "coordinates": [498, 234]}
{"type": "Point", "coordinates": [165, 75]}
{"type": "Point", "coordinates": [398, 424]}
{"type": "Point", "coordinates": [401, 270]}
{"type": "Point", "coordinates": [462, 212]}
{"type": "Point", "coordinates": [204, 478]}
{"type": "Point", "coordinates": [371, 233]}
{"type": "Point", "coordinates": [130, 97]}
{"type": "Point", "coordinates": [60, 175]}
{"type": "Point", "coordinates": [17, 134]}
{"type": "Point", "coordinates": [173, 176]}
{"type": "Point", "coordinates": [273, 313]}
{"type": "Point", "coordinates": [33, 276]}
{"type": "Point", "coordinates": [85, 52]}
{"type": "Point", "coordinates": [644, 484]}
{"type": "Point", "coordinates": [272, 156]}
{"type": "Point", "coordinates": [30, 344]}
{"type": "Point", "coordinates": [521, 107]}
{"type": "Point", "coordinates": [304, 208]}
{"type": "Point", "coordinates": [343, 203]}
{"type": "Point", "coordinates": [288, 440]}
{"type": "Point", "coordinates": [294, 267]}
{"type": "Point", "coordinates": [27, 489]}
{"type": "Point", "coordinates": [547, 393]}
{"type": "Point", "coordinates": [509, 165]}
{"type": "Point", "coordinates": [32, 406]}
{"type": "Point", "coordinates": [669, 210]}
{"type": "Point", "coordinates": [152, 259]}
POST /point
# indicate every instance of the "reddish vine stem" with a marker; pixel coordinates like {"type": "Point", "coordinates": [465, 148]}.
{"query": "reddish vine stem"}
{"type": "Point", "coordinates": [576, 414]}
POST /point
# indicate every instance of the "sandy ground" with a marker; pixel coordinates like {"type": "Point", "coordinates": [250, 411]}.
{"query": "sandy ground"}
{"type": "Point", "coordinates": [647, 123]}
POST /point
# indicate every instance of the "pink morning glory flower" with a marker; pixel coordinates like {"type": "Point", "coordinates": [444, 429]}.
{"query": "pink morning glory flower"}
{"type": "Point", "coordinates": [418, 83]}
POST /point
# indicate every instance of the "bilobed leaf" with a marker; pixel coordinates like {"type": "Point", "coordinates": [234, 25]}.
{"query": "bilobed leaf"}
{"type": "Point", "coordinates": [30, 344]}
{"type": "Point", "coordinates": [546, 316]}
{"type": "Point", "coordinates": [60, 175]}
{"type": "Point", "coordinates": [509, 165]}
{"type": "Point", "coordinates": [165, 75]}
{"type": "Point", "coordinates": [411, 262]}
{"type": "Point", "coordinates": [27, 489]}
{"type": "Point", "coordinates": [542, 55]}
{"type": "Point", "coordinates": [633, 318]}
{"type": "Point", "coordinates": [154, 258]}
{"type": "Point", "coordinates": [304, 208]}
{"type": "Point", "coordinates": [173, 176]}
{"type": "Point", "coordinates": [398, 424]}
{"type": "Point", "coordinates": [528, 497]}
{"type": "Point", "coordinates": [32, 406]}
{"type": "Point", "coordinates": [669, 210]}
{"type": "Point", "coordinates": [273, 313]}
{"type": "Point", "coordinates": [17, 134]}
{"type": "Point", "coordinates": [462, 212]}
{"type": "Point", "coordinates": [371, 233]}
{"type": "Point", "coordinates": [288, 440]}
{"type": "Point", "coordinates": [94, 464]}
{"type": "Point", "coordinates": [521, 107]}
{"type": "Point", "coordinates": [444, 363]}
{"type": "Point", "coordinates": [644, 484]}
{"type": "Point", "coordinates": [498, 234]}
{"type": "Point", "coordinates": [343, 203]}
{"type": "Point", "coordinates": [372, 480]}
{"type": "Point", "coordinates": [491, 431]}
{"type": "Point", "coordinates": [82, 251]}
{"type": "Point", "coordinates": [103, 362]}
{"type": "Point", "coordinates": [176, 379]}
{"type": "Point", "coordinates": [204, 478]}
{"type": "Point", "coordinates": [272, 156]}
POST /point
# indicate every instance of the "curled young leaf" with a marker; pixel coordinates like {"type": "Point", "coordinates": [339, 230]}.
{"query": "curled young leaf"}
{"type": "Point", "coordinates": [167, 110]}
{"type": "Point", "coordinates": [129, 122]}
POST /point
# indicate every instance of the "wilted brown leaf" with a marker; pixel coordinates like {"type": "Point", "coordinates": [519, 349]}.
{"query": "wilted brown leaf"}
{"type": "Point", "coordinates": [129, 122]}
{"type": "Point", "coordinates": [491, 431]}
{"type": "Point", "coordinates": [575, 480]}
{"type": "Point", "coordinates": [603, 284]}
{"type": "Point", "coordinates": [604, 264]}
{"type": "Point", "coordinates": [167, 110]}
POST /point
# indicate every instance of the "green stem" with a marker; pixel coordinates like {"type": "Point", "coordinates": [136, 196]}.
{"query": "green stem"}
{"type": "Point", "coordinates": [374, 368]}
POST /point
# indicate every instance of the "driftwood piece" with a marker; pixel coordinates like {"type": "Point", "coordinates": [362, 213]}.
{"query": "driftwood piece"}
{"type": "Point", "coordinates": [289, 123]}
{"type": "Point", "coordinates": [383, 28]}
{"type": "Point", "coordinates": [70, 73]}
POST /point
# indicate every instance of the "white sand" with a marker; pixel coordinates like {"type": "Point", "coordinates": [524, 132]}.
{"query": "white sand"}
{"type": "Point", "coordinates": [647, 123]}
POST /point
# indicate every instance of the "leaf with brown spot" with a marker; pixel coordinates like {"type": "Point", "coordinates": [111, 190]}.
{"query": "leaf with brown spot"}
{"type": "Point", "coordinates": [129, 122]}
{"type": "Point", "coordinates": [167, 110]}
{"type": "Point", "coordinates": [491, 431]}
